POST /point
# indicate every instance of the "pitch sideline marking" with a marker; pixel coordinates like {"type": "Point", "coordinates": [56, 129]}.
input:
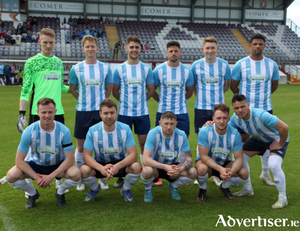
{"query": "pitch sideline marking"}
{"type": "Point", "coordinates": [7, 221]}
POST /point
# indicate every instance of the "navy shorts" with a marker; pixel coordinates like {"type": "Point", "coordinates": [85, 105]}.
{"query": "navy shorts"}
{"type": "Point", "coordinates": [121, 173]}
{"type": "Point", "coordinates": [253, 144]}
{"type": "Point", "coordinates": [163, 174]}
{"type": "Point", "coordinates": [201, 117]}
{"type": "Point", "coordinates": [34, 118]}
{"type": "Point", "coordinates": [45, 170]}
{"type": "Point", "coordinates": [242, 132]}
{"type": "Point", "coordinates": [183, 122]}
{"type": "Point", "coordinates": [141, 123]}
{"type": "Point", "coordinates": [84, 120]}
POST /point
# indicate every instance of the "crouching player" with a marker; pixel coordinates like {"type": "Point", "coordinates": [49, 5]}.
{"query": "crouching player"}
{"type": "Point", "coordinates": [215, 143]}
{"type": "Point", "coordinates": [115, 153]}
{"type": "Point", "coordinates": [52, 156]}
{"type": "Point", "coordinates": [163, 146]}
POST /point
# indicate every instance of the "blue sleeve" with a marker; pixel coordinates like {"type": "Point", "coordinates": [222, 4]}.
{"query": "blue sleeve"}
{"type": "Point", "coordinates": [275, 72]}
{"type": "Point", "coordinates": [228, 73]}
{"type": "Point", "coordinates": [89, 142]}
{"type": "Point", "coordinates": [67, 139]}
{"type": "Point", "coordinates": [269, 120]}
{"type": "Point", "coordinates": [190, 80]}
{"type": "Point", "coordinates": [155, 77]}
{"type": "Point", "coordinates": [232, 122]}
{"type": "Point", "coordinates": [150, 79]}
{"type": "Point", "coordinates": [108, 78]}
{"type": "Point", "coordinates": [150, 141]}
{"type": "Point", "coordinates": [129, 140]}
{"type": "Point", "coordinates": [236, 72]}
{"type": "Point", "coordinates": [116, 77]}
{"type": "Point", "coordinates": [185, 146]}
{"type": "Point", "coordinates": [203, 137]}
{"type": "Point", "coordinates": [73, 77]}
{"type": "Point", "coordinates": [237, 142]}
{"type": "Point", "coordinates": [25, 141]}
{"type": "Point", "coordinates": [194, 71]}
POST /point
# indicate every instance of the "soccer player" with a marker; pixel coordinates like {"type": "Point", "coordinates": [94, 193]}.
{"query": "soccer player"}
{"type": "Point", "coordinates": [93, 79]}
{"type": "Point", "coordinates": [212, 79]}
{"type": "Point", "coordinates": [115, 153]}
{"type": "Point", "coordinates": [160, 158]}
{"type": "Point", "coordinates": [258, 78]}
{"type": "Point", "coordinates": [51, 156]}
{"type": "Point", "coordinates": [43, 74]}
{"type": "Point", "coordinates": [267, 132]}
{"type": "Point", "coordinates": [215, 143]}
{"type": "Point", "coordinates": [131, 80]}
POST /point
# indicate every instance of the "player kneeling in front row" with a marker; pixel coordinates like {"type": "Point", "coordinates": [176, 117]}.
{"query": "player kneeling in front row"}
{"type": "Point", "coordinates": [110, 140]}
{"type": "Point", "coordinates": [163, 146]}
{"type": "Point", "coordinates": [52, 156]}
{"type": "Point", "coordinates": [215, 143]}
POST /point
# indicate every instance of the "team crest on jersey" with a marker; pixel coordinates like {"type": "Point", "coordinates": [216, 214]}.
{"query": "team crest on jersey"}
{"type": "Point", "coordinates": [175, 145]}
{"type": "Point", "coordinates": [182, 75]}
{"type": "Point", "coordinates": [213, 142]}
{"type": "Point", "coordinates": [228, 143]}
{"type": "Point", "coordinates": [143, 72]}
{"type": "Point", "coordinates": [256, 126]}
{"type": "Point", "coordinates": [57, 142]}
{"type": "Point", "coordinates": [248, 68]}
{"type": "Point", "coordinates": [101, 72]}
{"type": "Point", "coordinates": [267, 68]}
{"type": "Point", "coordinates": [37, 141]}
{"type": "Point", "coordinates": [124, 74]}
{"type": "Point", "coordinates": [159, 144]}
{"type": "Point", "coordinates": [119, 140]}
{"type": "Point", "coordinates": [100, 142]}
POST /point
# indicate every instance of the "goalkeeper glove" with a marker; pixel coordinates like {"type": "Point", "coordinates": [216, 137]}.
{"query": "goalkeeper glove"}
{"type": "Point", "coordinates": [21, 121]}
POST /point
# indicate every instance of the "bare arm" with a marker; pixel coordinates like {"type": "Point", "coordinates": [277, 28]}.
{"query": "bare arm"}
{"type": "Point", "coordinates": [234, 86]}
{"type": "Point", "coordinates": [91, 162]}
{"type": "Point", "coordinates": [115, 91]}
{"type": "Point", "coordinates": [283, 130]}
{"type": "Point", "coordinates": [21, 164]}
{"type": "Point", "coordinates": [226, 85]}
{"type": "Point", "coordinates": [147, 161]}
{"type": "Point", "coordinates": [238, 163]}
{"type": "Point", "coordinates": [108, 88]}
{"type": "Point", "coordinates": [23, 105]}
{"type": "Point", "coordinates": [151, 90]}
{"type": "Point", "coordinates": [155, 94]}
{"type": "Point", "coordinates": [73, 90]}
{"type": "Point", "coordinates": [274, 85]}
{"type": "Point", "coordinates": [128, 160]}
{"type": "Point", "coordinates": [189, 91]}
{"type": "Point", "coordinates": [188, 161]}
{"type": "Point", "coordinates": [195, 88]}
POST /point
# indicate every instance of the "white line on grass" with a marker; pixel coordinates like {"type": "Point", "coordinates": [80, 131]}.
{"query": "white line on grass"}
{"type": "Point", "coordinates": [7, 221]}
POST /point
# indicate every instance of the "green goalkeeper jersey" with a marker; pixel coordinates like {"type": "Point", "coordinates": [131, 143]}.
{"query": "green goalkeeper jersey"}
{"type": "Point", "coordinates": [45, 76]}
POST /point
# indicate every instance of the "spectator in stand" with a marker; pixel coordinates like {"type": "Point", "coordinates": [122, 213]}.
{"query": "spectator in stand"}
{"type": "Point", "coordinates": [95, 33]}
{"type": "Point", "coordinates": [65, 20]}
{"type": "Point", "coordinates": [29, 27]}
{"type": "Point", "coordinates": [1, 23]}
{"type": "Point", "coordinates": [79, 21]}
{"type": "Point", "coordinates": [70, 20]}
{"type": "Point", "coordinates": [104, 33]}
{"type": "Point", "coordinates": [62, 26]}
{"type": "Point", "coordinates": [99, 33]}
{"type": "Point", "coordinates": [7, 72]}
{"type": "Point", "coordinates": [92, 31]}
{"type": "Point", "coordinates": [142, 48]}
{"type": "Point", "coordinates": [68, 37]}
{"type": "Point", "coordinates": [111, 21]}
{"type": "Point", "coordinates": [86, 20]}
{"type": "Point", "coordinates": [87, 32]}
{"type": "Point", "coordinates": [67, 26]}
{"type": "Point", "coordinates": [147, 46]}
{"type": "Point", "coordinates": [28, 38]}
{"type": "Point", "coordinates": [13, 30]}
{"type": "Point", "coordinates": [18, 41]}
{"type": "Point", "coordinates": [116, 49]}
{"type": "Point", "coordinates": [24, 30]}
{"type": "Point", "coordinates": [23, 39]}
{"type": "Point", "coordinates": [12, 41]}
{"type": "Point", "coordinates": [81, 34]}
{"type": "Point", "coordinates": [77, 33]}
{"type": "Point", "coordinates": [2, 41]}
{"type": "Point", "coordinates": [106, 21]}
{"type": "Point", "coordinates": [101, 19]}
{"type": "Point", "coordinates": [73, 36]}
{"type": "Point", "coordinates": [29, 19]}
{"type": "Point", "coordinates": [75, 21]}
{"type": "Point", "coordinates": [7, 41]}
{"type": "Point", "coordinates": [38, 38]}
{"type": "Point", "coordinates": [34, 21]}
{"type": "Point", "coordinates": [118, 20]}
{"type": "Point", "coordinates": [3, 34]}
{"type": "Point", "coordinates": [20, 28]}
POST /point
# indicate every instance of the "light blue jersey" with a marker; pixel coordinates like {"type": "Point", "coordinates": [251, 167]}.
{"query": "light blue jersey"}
{"type": "Point", "coordinates": [166, 149]}
{"type": "Point", "coordinates": [133, 81]}
{"type": "Point", "coordinates": [172, 83]}
{"type": "Point", "coordinates": [256, 80]}
{"type": "Point", "coordinates": [1, 69]}
{"type": "Point", "coordinates": [220, 146]}
{"type": "Point", "coordinates": [260, 125]}
{"type": "Point", "coordinates": [210, 79]}
{"type": "Point", "coordinates": [47, 149]}
{"type": "Point", "coordinates": [109, 147]}
{"type": "Point", "coordinates": [91, 81]}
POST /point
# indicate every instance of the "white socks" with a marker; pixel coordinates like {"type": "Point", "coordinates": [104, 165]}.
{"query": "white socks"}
{"type": "Point", "coordinates": [24, 186]}
{"type": "Point", "coordinates": [182, 180]}
{"type": "Point", "coordinates": [130, 180]}
{"type": "Point", "coordinates": [202, 180]}
{"type": "Point", "coordinates": [279, 177]}
{"type": "Point", "coordinates": [247, 184]}
{"type": "Point", "coordinates": [265, 163]}
{"type": "Point", "coordinates": [91, 182]}
{"type": "Point", "coordinates": [147, 182]}
{"type": "Point", "coordinates": [78, 158]}
{"type": "Point", "coordinates": [68, 183]}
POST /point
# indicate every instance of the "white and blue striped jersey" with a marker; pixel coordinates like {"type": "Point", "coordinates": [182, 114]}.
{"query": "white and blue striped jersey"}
{"type": "Point", "coordinates": [210, 79]}
{"type": "Point", "coordinates": [47, 149]}
{"type": "Point", "coordinates": [133, 81]}
{"type": "Point", "coordinates": [256, 80]}
{"type": "Point", "coordinates": [91, 81]}
{"type": "Point", "coordinates": [166, 149]}
{"type": "Point", "coordinates": [109, 147]}
{"type": "Point", "coordinates": [260, 125]}
{"type": "Point", "coordinates": [172, 83]}
{"type": "Point", "coordinates": [220, 146]}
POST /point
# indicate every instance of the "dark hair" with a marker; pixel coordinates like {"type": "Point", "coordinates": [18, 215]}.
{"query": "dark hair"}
{"type": "Point", "coordinates": [221, 107]}
{"type": "Point", "coordinates": [173, 43]}
{"type": "Point", "coordinates": [239, 98]}
{"type": "Point", "coordinates": [168, 115]}
{"type": "Point", "coordinates": [45, 101]}
{"type": "Point", "coordinates": [258, 36]}
{"type": "Point", "coordinates": [132, 38]}
{"type": "Point", "coordinates": [108, 103]}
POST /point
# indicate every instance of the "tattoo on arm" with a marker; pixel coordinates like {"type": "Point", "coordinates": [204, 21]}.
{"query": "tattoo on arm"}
{"type": "Point", "coordinates": [188, 153]}
{"type": "Point", "coordinates": [206, 160]}
{"type": "Point", "coordinates": [187, 165]}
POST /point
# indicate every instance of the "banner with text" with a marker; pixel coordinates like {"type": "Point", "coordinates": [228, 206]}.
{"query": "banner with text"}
{"type": "Point", "coordinates": [165, 11]}
{"type": "Point", "coordinates": [55, 6]}
{"type": "Point", "coordinates": [10, 16]}
{"type": "Point", "coordinates": [256, 14]}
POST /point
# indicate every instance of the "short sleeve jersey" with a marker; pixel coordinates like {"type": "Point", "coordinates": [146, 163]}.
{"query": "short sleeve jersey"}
{"type": "Point", "coordinates": [133, 80]}
{"type": "Point", "coordinates": [47, 149]}
{"type": "Point", "coordinates": [210, 79]}
{"type": "Point", "coordinates": [172, 83]}
{"type": "Point", "coordinates": [45, 74]}
{"type": "Point", "coordinates": [256, 80]}
{"type": "Point", "coordinates": [260, 125]}
{"type": "Point", "coordinates": [91, 81]}
{"type": "Point", "coordinates": [220, 146]}
{"type": "Point", "coordinates": [166, 149]}
{"type": "Point", "coordinates": [109, 147]}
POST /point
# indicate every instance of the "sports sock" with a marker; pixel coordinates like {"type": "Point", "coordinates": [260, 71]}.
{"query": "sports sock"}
{"type": "Point", "coordinates": [141, 159]}
{"type": "Point", "coordinates": [182, 180]}
{"type": "Point", "coordinates": [232, 181]}
{"type": "Point", "coordinates": [279, 177]}
{"type": "Point", "coordinates": [29, 181]}
{"type": "Point", "coordinates": [147, 182]}
{"type": "Point", "coordinates": [130, 180]}
{"type": "Point", "coordinates": [247, 184]}
{"type": "Point", "coordinates": [78, 158]}
{"type": "Point", "coordinates": [91, 182]}
{"type": "Point", "coordinates": [58, 181]}
{"type": "Point", "coordinates": [68, 183]}
{"type": "Point", "coordinates": [264, 163]}
{"type": "Point", "coordinates": [24, 186]}
{"type": "Point", "coordinates": [202, 180]}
